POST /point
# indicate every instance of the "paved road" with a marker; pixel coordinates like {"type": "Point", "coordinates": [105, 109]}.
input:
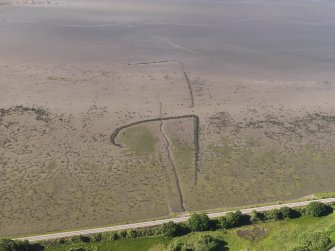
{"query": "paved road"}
{"type": "Point", "coordinates": [160, 222]}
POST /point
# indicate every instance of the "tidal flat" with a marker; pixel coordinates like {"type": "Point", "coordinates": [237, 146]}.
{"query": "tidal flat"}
{"type": "Point", "coordinates": [224, 98]}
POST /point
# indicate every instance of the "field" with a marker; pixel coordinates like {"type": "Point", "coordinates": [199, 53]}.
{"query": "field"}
{"type": "Point", "coordinates": [113, 119]}
{"type": "Point", "coordinates": [280, 235]}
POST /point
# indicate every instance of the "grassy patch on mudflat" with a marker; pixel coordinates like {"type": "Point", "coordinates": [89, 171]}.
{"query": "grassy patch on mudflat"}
{"type": "Point", "coordinates": [139, 140]}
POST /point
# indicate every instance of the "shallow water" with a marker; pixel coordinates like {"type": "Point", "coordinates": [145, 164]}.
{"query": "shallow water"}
{"type": "Point", "coordinates": [248, 39]}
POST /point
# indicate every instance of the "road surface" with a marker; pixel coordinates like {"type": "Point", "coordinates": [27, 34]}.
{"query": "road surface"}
{"type": "Point", "coordinates": [45, 237]}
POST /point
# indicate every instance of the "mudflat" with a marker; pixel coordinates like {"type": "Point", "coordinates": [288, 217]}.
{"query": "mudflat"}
{"type": "Point", "coordinates": [119, 111]}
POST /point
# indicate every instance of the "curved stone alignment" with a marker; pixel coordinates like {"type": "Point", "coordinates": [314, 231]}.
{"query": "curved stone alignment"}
{"type": "Point", "coordinates": [196, 133]}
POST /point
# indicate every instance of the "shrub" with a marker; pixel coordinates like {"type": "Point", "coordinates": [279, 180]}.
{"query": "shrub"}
{"type": "Point", "coordinates": [157, 231]}
{"type": "Point", "coordinates": [325, 195]}
{"type": "Point", "coordinates": [231, 219]}
{"type": "Point", "coordinates": [122, 234]}
{"type": "Point", "coordinates": [110, 236]}
{"type": "Point", "coordinates": [145, 232]}
{"type": "Point", "coordinates": [315, 241]}
{"type": "Point", "coordinates": [214, 224]}
{"type": "Point", "coordinates": [106, 236]}
{"type": "Point", "coordinates": [131, 233]}
{"type": "Point", "coordinates": [204, 243]}
{"type": "Point", "coordinates": [301, 210]}
{"type": "Point", "coordinates": [256, 216]}
{"type": "Point", "coordinates": [142, 232]}
{"type": "Point", "coordinates": [170, 229]}
{"type": "Point", "coordinates": [331, 232]}
{"type": "Point", "coordinates": [7, 245]}
{"type": "Point", "coordinates": [198, 222]}
{"type": "Point", "coordinates": [273, 214]}
{"type": "Point", "coordinates": [10, 245]}
{"type": "Point", "coordinates": [224, 223]}
{"type": "Point", "coordinates": [96, 237]}
{"type": "Point", "coordinates": [286, 212]}
{"type": "Point", "coordinates": [300, 248]}
{"type": "Point", "coordinates": [208, 243]}
{"type": "Point", "coordinates": [56, 242]}
{"type": "Point", "coordinates": [183, 228]}
{"type": "Point", "coordinates": [77, 249]}
{"type": "Point", "coordinates": [83, 238]}
{"type": "Point", "coordinates": [61, 241]}
{"type": "Point", "coordinates": [77, 239]}
{"type": "Point", "coordinates": [317, 209]}
{"type": "Point", "coordinates": [289, 213]}
{"type": "Point", "coordinates": [181, 247]}
{"type": "Point", "coordinates": [114, 236]}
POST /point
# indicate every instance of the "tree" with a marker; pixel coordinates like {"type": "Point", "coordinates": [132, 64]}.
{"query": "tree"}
{"type": "Point", "coordinates": [231, 219]}
{"type": "Point", "coordinates": [170, 229]}
{"type": "Point", "coordinates": [198, 222]}
{"type": "Point", "coordinates": [317, 209]}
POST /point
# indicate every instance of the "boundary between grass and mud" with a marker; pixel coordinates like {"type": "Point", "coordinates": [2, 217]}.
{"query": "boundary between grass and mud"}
{"type": "Point", "coordinates": [153, 223]}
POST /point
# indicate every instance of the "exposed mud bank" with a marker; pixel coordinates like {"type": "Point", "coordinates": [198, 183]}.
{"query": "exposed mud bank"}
{"type": "Point", "coordinates": [182, 68]}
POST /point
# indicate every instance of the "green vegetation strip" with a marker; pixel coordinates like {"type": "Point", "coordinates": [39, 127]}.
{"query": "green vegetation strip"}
{"type": "Point", "coordinates": [305, 228]}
